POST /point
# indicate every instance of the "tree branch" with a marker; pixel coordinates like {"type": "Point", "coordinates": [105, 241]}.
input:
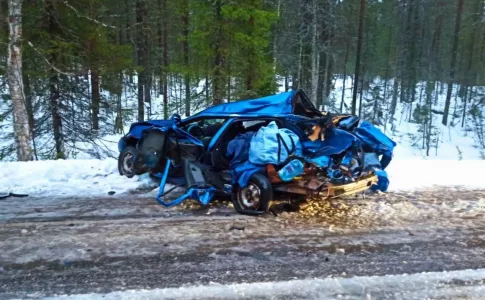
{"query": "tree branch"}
{"type": "Point", "coordinates": [47, 61]}
{"type": "Point", "coordinates": [86, 17]}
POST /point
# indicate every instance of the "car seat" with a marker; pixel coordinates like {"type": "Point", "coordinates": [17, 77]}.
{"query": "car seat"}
{"type": "Point", "coordinates": [218, 154]}
{"type": "Point", "coordinates": [209, 132]}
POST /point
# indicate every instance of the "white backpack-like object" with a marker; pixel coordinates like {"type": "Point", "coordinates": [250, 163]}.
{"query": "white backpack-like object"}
{"type": "Point", "coordinates": [272, 145]}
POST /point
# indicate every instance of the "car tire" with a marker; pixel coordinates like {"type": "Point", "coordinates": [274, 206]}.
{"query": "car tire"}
{"type": "Point", "coordinates": [125, 162]}
{"type": "Point", "coordinates": [255, 198]}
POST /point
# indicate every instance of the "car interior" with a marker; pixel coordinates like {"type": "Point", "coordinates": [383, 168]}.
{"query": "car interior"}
{"type": "Point", "coordinates": [218, 158]}
{"type": "Point", "coordinates": [180, 150]}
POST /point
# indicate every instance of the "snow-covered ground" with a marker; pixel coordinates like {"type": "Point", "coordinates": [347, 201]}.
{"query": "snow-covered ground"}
{"type": "Point", "coordinates": [442, 285]}
{"type": "Point", "coordinates": [409, 174]}
{"type": "Point", "coordinates": [98, 177]}
{"type": "Point", "coordinates": [67, 178]}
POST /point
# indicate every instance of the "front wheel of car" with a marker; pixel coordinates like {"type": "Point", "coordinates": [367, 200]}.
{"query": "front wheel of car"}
{"type": "Point", "coordinates": [126, 165]}
{"type": "Point", "coordinates": [255, 198]}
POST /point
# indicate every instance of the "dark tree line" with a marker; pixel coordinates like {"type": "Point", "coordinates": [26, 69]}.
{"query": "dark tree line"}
{"type": "Point", "coordinates": [89, 67]}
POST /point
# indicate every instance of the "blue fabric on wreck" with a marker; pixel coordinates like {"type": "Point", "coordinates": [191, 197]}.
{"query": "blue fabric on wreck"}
{"type": "Point", "coordinates": [336, 141]}
{"type": "Point", "coordinates": [243, 172]}
{"type": "Point", "coordinates": [238, 149]}
{"type": "Point", "coordinates": [238, 152]}
{"type": "Point", "coordinates": [321, 161]}
{"type": "Point", "coordinates": [377, 140]}
{"type": "Point", "coordinates": [383, 181]}
{"type": "Point", "coordinates": [267, 145]}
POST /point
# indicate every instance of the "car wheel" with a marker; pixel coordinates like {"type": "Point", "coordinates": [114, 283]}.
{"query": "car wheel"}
{"type": "Point", "coordinates": [255, 198]}
{"type": "Point", "coordinates": [126, 163]}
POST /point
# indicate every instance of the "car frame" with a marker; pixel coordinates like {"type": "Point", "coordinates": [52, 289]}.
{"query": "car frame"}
{"type": "Point", "coordinates": [182, 152]}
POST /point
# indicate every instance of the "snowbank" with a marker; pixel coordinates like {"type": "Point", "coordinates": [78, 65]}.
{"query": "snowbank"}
{"type": "Point", "coordinates": [408, 174]}
{"type": "Point", "coordinates": [67, 177]}
{"type": "Point", "coordinates": [413, 286]}
{"type": "Point", "coordinates": [98, 177]}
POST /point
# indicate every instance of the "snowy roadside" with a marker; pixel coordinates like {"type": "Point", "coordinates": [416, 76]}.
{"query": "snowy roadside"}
{"type": "Point", "coordinates": [442, 285]}
{"type": "Point", "coordinates": [411, 174]}
{"type": "Point", "coordinates": [98, 177]}
{"type": "Point", "coordinates": [90, 177]}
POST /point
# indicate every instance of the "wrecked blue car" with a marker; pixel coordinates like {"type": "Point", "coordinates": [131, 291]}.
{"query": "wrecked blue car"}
{"type": "Point", "coordinates": [253, 149]}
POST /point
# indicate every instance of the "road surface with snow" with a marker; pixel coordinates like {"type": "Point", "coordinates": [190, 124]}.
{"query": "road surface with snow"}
{"type": "Point", "coordinates": [128, 247]}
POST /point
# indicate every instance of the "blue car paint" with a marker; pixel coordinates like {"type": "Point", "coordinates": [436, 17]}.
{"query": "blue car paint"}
{"type": "Point", "coordinates": [322, 161]}
{"type": "Point", "coordinates": [188, 137]}
{"type": "Point", "coordinates": [279, 104]}
{"type": "Point", "coordinates": [219, 133]}
{"type": "Point", "coordinates": [121, 144]}
{"type": "Point", "coordinates": [203, 195]}
{"type": "Point", "coordinates": [375, 136]}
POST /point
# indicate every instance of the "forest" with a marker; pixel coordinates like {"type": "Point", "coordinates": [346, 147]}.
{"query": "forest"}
{"type": "Point", "coordinates": [75, 71]}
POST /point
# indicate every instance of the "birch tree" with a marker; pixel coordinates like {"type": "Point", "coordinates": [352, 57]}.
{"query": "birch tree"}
{"type": "Point", "coordinates": [22, 135]}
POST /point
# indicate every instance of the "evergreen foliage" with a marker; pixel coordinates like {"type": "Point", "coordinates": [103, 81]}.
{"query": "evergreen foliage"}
{"type": "Point", "coordinates": [92, 66]}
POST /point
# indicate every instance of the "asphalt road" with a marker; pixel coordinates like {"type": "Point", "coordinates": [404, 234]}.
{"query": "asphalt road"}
{"type": "Point", "coordinates": [65, 246]}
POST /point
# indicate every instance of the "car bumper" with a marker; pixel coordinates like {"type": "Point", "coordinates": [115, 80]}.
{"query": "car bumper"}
{"type": "Point", "coordinates": [327, 190]}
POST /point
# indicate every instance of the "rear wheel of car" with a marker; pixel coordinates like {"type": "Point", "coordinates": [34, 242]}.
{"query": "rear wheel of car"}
{"type": "Point", "coordinates": [125, 162]}
{"type": "Point", "coordinates": [255, 198]}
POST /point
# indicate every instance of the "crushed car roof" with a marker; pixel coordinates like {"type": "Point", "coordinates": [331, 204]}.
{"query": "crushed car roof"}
{"type": "Point", "coordinates": [293, 102]}
{"type": "Point", "coordinates": [269, 105]}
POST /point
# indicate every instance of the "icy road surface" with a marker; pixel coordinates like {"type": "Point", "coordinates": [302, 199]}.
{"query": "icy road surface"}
{"type": "Point", "coordinates": [427, 244]}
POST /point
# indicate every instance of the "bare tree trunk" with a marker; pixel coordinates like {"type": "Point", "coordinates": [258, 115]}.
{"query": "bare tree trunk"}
{"type": "Point", "coordinates": [321, 80]}
{"type": "Point", "coordinates": [54, 85]}
{"type": "Point", "coordinates": [119, 111]}
{"type": "Point", "coordinates": [23, 139]}
{"type": "Point", "coordinates": [95, 98]}
{"type": "Point", "coordinates": [453, 61]}
{"type": "Point", "coordinates": [56, 116]}
{"type": "Point", "coordinates": [30, 110]}
{"type": "Point", "coordinates": [328, 79]}
{"type": "Point", "coordinates": [207, 102]}
{"type": "Point", "coordinates": [140, 51]}
{"type": "Point", "coordinates": [185, 22]}
{"type": "Point", "coordinates": [315, 56]}
{"type": "Point", "coordinates": [395, 91]}
{"type": "Point", "coordinates": [360, 95]}
{"type": "Point", "coordinates": [250, 71]}
{"type": "Point", "coordinates": [388, 62]}
{"type": "Point", "coordinates": [165, 59]}
{"type": "Point", "coordinates": [297, 80]}
{"type": "Point", "coordinates": [469, 77]}
{"type": "Point", "coordinates": [121, 39]}
{"type": "Point", "coordinates": [228, 83]}
{"type": "Point", "coordinates": [160, 48]}
{"type": "Point", "coordinates": [218, 61]}
{"type": "Point", "coordinates": [275, 37]}
{"type": "Point", "coordinates": [435, 45]}
{"type": "Point", "coordinates": [345, 76]}
{"type": "Point", "coordinates": [357, 58]}
{"type": "Point", "coordinates": [465, 98]}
